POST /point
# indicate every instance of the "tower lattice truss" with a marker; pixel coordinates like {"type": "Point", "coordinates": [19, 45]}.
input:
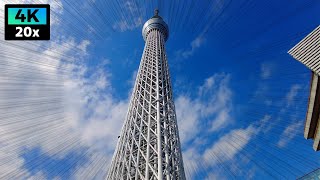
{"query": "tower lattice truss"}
{"type": "Point", "coordinates": [149, 146]}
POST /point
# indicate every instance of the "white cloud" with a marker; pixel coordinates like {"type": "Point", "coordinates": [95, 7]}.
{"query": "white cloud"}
{"type": "Point", "coordinates": [228, 146]}
{"type": "Point", "coordinates": [264, 123]}
{"type": "Point", "coordinates": [131, 7]}
{"type": "Point", "coordinates": [37, 118]}
{"type": "Point", "coordinates": [84, 45]}
{"type": "Point", "coordinates": [188, 115]}
{"type": "Point", "coordinates": [57, 106]}
{"type": "Point", "coordinates": [213, 103]}
{"type": "Point", "coordinates": [131, 23]}
{"type": "Point", "coordinates": [125, 25]}
{"type": "Point", "coordinates": [27, 111]}
{"type": "Point", "coordinates": [217, 93]}
{"type": "Point", "coordinates": [192, 162]}
{"type": "Point", "coordinates": [194, 45]}
{"type": "Point", "coordinates": [221, 120]}
{"type": "Point", "coordinates": [213, 176]}
{"type": "Point", "coordinates": [266, 70]}
{"type": "Point", "coordinates": [222, 151]}
{"type": "Point", "coordinates": [291, 95]}
{"type": "Point", "coordinates": [91, 108]}
{"type": "Point", "coordinates": [209, 82]}
{"type": "Point", "coordinates": [289, 133]}
{"type": "Point", "coordinates": [38, 175]}
{"type": "Point", "coordinates": [208, 112]}
{"type": "Point", "coordinates": [293, 129]}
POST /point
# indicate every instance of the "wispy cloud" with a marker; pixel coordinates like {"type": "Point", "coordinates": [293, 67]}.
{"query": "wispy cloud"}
{"type": "Point", "coordinates": [266, 70]}
{"type": "Point", "coordinates": [289, 133]}
{"type": "Point", "coordinates": [212, 176]}
{"type": "Point", "coordinates": [194, 45]}
{"type": "Point", "coordinates": [228, 146]}
{"type": "Point", "coordinates": [131, 6]}
{"type": "Point", "coordinates": [296, 126]}
{"type": "Point", "coordinates": [291, 95]}
{"type": "Point", "coordinates": [131, 23]}
{"type": "Point", "coordinates": [124, 24]}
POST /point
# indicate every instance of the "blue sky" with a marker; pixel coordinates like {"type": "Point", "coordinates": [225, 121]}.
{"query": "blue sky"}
{"type": "Point", "coordinates": [240, 98]}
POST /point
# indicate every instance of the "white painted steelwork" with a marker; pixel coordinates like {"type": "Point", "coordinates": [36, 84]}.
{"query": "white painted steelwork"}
{"type": "Point", "coordinates": [149, 145]}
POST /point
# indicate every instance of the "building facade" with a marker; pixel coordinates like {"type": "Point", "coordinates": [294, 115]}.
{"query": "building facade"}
{"type": "Point", "coordinates": [307, 51]}
{"type": "Point", "coordinates": [149, 145]}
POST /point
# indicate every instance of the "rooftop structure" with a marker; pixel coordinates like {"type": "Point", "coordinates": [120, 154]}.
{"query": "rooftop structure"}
{"type": "Point", "coordinates": [307, 51]}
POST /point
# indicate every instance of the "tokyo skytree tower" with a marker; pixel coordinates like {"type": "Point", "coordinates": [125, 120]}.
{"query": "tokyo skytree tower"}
{"type": "Point", "coordinates": [149, 145]}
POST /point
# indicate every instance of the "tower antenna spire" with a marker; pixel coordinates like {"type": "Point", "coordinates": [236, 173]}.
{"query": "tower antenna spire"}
{"type": "Point", "coordinates": [149, 145]}
{"type": "Point", "coordinates": [156, 12]}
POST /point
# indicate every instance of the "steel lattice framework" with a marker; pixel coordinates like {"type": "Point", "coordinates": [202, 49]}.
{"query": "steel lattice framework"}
{"type": "Point", "coordinates": [149, 145]}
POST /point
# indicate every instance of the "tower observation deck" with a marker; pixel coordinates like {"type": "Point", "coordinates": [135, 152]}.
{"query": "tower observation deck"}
{"type": "Point", "coordinates": [149, 144]}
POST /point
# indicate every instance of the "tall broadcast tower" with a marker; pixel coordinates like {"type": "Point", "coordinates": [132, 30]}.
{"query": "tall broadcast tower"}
{"type": "Point", "coordinates": [149, 145]}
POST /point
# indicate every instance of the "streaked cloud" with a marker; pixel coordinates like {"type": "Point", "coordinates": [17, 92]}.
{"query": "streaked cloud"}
{"type": "Point", "coordinates": [131, 23]}
{"type": "Point", "coordinates": [291, 95]}
{"type": "Point", "coordinates": [266, 70]}
{"type": "Point", "coordinates": [194, 45]}
{"type": "Point", "coordinates": [59, 106]}
{"type": "Point", "coordinates": [289, 133]}
{"type": "Point", "coordinates": [125, 25]}
{"type": "Point", "coordinates": [228, 146]}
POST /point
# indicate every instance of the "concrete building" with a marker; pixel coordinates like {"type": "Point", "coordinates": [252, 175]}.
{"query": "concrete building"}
{"type": "Point", "coordinates": [149, 145]}
{"type": "Point", "coordinates": [307, 51]}
{"type": "Point", "coordinates": [311, 128]}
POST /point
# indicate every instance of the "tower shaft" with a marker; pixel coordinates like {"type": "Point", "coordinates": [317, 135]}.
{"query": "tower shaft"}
{"type": "Point", "coordinates": [149, 145]}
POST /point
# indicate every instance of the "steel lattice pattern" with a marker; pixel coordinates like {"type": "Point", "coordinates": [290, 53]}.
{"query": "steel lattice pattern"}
{"type": "Point", "coordinates": [149, 146]}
